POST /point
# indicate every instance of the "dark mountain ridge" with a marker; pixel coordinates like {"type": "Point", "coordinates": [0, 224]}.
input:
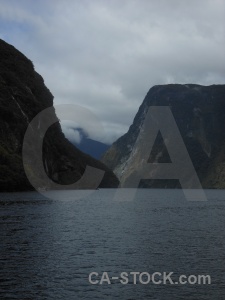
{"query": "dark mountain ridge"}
{"type": "Point", "coordinates": [199, 112]}
{"type": "Point", "coordinates": [23, 95]}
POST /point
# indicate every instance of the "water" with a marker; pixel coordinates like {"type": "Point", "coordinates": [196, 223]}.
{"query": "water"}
{"type": "Point", "coordinates": [48, 248]}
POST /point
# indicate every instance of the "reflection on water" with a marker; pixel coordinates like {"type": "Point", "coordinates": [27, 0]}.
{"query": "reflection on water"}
{"type": "Point", "coordinates": [48, 248]}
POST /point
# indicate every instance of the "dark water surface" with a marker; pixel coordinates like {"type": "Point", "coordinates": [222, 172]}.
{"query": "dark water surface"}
{"type": "Point", "coordinates": [48, 248]}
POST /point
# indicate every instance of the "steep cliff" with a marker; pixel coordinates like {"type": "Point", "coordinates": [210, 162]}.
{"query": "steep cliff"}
{"type": "Point", "coordinates": [199, 112]}
{"type": "Point", "coordinates": [23, 95]}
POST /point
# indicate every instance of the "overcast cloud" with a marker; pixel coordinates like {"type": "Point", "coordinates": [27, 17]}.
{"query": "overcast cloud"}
{"type": "Point", "coordinates": [106, 54]}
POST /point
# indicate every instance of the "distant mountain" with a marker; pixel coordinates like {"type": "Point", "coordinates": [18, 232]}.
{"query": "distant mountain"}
{"type": "Point", "coordinates": [199, 112]}
{"type": "Point", "coordinates": [90, 146]}
{"type": "Point", "coordinates": [23, 95]}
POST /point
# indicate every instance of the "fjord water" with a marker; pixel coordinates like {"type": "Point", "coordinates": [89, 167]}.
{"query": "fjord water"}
{"type": "Point", "coordinates": [48, 248]}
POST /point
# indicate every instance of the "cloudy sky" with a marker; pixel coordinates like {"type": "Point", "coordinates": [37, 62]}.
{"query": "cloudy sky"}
{"type": "Point", "coordinates": [105, 55]}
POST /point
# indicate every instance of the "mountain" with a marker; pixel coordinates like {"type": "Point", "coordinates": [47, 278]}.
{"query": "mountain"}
{"type": "Point", "coordinates": [23, 95]}
{"type": "Point", "coordinates": [89, 146]}
{"type": "Point", "coordinates": [199, 112]}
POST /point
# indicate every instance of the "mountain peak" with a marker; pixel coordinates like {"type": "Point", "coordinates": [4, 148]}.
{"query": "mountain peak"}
{"type": "Point", "coordinates": [199, 112]}
{"type": "Point", "coordinates": [23, 95]}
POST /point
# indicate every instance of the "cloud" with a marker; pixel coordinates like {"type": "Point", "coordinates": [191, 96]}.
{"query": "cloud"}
{"type": "Point", "coordinates": [71, 134]}
{"type": "Point", "coordinates": [105, 55]}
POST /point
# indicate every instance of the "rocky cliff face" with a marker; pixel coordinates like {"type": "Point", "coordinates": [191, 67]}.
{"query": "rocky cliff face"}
{"type": "Point", "coordinates": [23, 95]}
{"type": "Point", "coordinates": [199, 112]}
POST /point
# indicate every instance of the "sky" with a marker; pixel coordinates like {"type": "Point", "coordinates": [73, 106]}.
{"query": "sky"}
{"type": "Point", "coordinates": [105, 55]}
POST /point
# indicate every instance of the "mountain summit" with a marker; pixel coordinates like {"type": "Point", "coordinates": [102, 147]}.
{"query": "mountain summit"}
{"type": "Point", "coordinates": [23, 95]}
{"type": "Point", "coordinates": [199, 112]}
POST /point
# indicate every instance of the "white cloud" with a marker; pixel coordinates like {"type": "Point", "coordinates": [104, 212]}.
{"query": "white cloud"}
{"type": "Point", "coordinates": [72, 135]}
{"type": "Point", "coordinates": [105, 55]}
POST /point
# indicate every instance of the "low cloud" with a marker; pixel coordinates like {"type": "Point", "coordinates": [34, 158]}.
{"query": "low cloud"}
{"type": "Point", "coordinates": [72, 134]}
{"type": "Point", "coordinates": [105, 55]}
